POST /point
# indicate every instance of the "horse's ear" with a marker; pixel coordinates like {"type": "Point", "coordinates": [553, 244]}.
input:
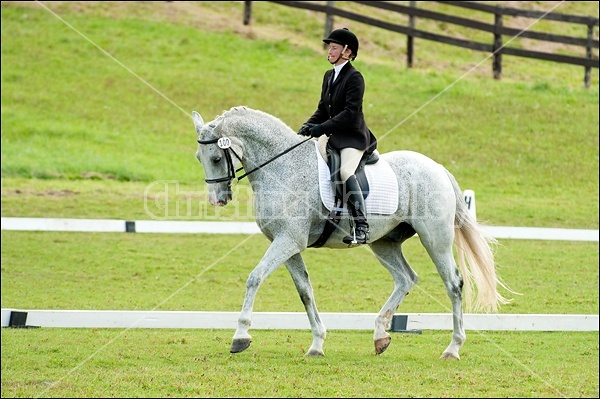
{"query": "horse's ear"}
{"type": "Point", "coordinates": [198, 121]}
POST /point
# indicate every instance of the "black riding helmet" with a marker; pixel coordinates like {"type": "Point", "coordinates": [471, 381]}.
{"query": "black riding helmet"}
{"type": "Point", "coordinates": [345, 38]}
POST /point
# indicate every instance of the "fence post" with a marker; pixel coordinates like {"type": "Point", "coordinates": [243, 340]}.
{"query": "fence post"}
{"type": "Point", "coordinates": [410, 39]}
{"type": "Point", "coordinates": [328, 21]}
{"type": "Point", "coordinates": [496, 47]}
{"type": "Point", "coordinates": [247, 12]}
{"type": "Point", "coordinates": [588, 54]}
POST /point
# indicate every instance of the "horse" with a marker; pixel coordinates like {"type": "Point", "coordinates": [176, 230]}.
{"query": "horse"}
{"type": "Point", "coordinates": [281, 167]}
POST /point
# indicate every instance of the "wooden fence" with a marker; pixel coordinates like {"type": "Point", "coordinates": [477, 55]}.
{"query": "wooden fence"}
{"type": "Point", "coordinates": [497, 30]}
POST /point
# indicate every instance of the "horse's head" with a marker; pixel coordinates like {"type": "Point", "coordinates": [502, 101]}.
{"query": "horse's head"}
{"type": "Point", "coordinates": [215, 154]}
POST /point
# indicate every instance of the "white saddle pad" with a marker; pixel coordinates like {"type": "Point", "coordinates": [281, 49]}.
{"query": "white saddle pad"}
{"type": "Point", "coordinates": [383, 187]}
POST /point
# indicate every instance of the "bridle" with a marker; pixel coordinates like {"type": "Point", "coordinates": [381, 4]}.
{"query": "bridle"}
{"type": "Point", "coordinates": [224, 144]}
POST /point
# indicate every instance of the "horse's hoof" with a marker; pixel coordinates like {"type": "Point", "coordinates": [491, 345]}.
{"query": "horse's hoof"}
{"type": "Point", "coordinates": [240, 345]}
{"type": "Point", "coordinates": [382, 344]}
{"type": "Point", "coordinates": [314, 353]}
{"type": "Point", "coordinates": [450, 355]}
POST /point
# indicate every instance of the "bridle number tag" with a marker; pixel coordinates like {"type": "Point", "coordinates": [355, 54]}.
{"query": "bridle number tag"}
{"type": "Point", "coordinates": [224, 142]}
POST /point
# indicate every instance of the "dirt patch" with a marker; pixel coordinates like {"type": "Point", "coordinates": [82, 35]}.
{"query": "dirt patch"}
{"type": "Point", "coordinates": [43, 193]}
{"type": "Point", "coordinates": [57, 193]}
{"type": "Point", "coordinates": [96, 176]}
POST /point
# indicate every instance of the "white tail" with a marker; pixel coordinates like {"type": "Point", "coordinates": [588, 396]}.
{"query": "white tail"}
{"type": "Point", "coordinates": [474, 247]}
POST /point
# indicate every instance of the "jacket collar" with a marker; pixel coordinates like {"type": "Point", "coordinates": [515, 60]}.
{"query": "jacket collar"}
{"type": "Point", "coordinates": [347, 66]}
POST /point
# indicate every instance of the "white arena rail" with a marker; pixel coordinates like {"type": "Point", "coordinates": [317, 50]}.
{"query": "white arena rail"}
{"type": "Point", "coordinates": [291, 320]}
{"type": "Point", "coordinates": [190, 227]}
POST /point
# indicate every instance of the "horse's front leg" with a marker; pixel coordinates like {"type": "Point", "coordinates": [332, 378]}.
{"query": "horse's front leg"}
{"type": "Point", "coordinates": [299, 273]}
{"type": "Point", "coordinates": [280, 250]}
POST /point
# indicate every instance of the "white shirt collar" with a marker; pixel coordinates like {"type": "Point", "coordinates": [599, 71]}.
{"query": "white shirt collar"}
{"type": "Point", "coordinates": [337, 69]}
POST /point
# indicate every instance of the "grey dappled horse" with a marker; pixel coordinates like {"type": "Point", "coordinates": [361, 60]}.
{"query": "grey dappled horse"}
{"type": "Point", "coordinates": [290, 213]}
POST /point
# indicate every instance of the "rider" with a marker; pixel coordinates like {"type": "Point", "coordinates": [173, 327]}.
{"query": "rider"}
{"type": "Point", "coordinates": [339, 115]}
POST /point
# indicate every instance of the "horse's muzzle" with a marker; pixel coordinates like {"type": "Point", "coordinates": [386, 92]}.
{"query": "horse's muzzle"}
{"type": "Point", "coordinates": [219, 197]}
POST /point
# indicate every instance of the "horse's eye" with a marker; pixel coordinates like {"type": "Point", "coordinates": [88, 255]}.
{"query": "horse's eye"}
{"type": "Point", "coordinates": [216, 160]}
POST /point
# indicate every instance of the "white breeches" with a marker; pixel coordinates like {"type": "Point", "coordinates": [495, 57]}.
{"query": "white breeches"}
{"type": "Point", "coordinates": [350, 158]}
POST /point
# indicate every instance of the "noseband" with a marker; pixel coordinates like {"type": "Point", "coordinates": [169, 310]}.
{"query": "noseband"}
{"type": "Point", "coordinates": [224, 143]}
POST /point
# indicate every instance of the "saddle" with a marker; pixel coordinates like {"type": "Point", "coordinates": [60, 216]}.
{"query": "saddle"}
{"type": "Point", "coordinates": [334, 163]}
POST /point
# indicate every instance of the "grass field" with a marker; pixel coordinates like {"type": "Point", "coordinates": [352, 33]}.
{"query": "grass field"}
{"type": "Point", "coordinates": [106, 127]}
{"type": "Point", "coordinates": [44, 270]}
{"type": "Point", "coordinates": [96, 103]}
{"type": "Point", "coordinates": [76, 271]}
{"type": "Point", "coordinates": [197, 363]}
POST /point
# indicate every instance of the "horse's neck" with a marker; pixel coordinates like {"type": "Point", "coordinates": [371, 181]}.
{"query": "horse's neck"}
{"type": "Point", "coordinates": [262, 144]}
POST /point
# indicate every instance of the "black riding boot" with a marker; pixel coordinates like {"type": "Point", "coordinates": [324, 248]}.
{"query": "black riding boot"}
{"type": "Point", "coordinates": [356, 205]}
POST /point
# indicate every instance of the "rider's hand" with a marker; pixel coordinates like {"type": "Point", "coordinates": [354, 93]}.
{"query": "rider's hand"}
{"type": "Point", "coordinates": [316, 131]}
{"type": "Point", "coordinates": [305, 129]}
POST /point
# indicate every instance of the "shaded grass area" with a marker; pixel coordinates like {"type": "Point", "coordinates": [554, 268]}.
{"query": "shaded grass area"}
{"type": "Point", "coordinates": [197, 363]}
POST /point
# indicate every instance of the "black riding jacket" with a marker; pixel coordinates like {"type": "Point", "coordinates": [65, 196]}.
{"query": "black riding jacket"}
{"type": "Point", "coordinates": [340, 111]}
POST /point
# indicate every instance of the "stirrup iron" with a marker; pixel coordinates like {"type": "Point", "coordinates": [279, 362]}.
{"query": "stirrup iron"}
{"type": "Point", "coordinates": [352, 243]}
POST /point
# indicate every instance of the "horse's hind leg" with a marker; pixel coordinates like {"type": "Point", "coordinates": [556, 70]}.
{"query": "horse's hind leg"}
{"type": "Point", "coordinates": [390, 255]}
{"type": "Point", "coordinates": [438, 241]}
{"type": "Point", "coordinates": [297, 269]}
{"type": "Point", "coordinates": [453, 282]}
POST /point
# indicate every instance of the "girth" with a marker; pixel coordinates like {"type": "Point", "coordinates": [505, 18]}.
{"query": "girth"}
{"type": "Point", "coordinates": [334, 162]}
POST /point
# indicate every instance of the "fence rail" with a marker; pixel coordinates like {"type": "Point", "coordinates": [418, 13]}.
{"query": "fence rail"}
{"type": "Point", "coordinates": [497, 29]}
{"type": "Point", "coordinates": [215, 227]}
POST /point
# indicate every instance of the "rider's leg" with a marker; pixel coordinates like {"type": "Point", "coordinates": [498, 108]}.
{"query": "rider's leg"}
{"type": "Point", "coordinates": [350, 158]}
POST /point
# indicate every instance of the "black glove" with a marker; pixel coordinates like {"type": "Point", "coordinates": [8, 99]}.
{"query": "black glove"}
{"type": "Point", "coordinates": [316, 131]}
{"type": "Point", "coordinates": [305, 129]}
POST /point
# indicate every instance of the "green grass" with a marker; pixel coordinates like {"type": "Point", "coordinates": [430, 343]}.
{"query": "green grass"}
{"type": "Point", "coordinates": [139, 271]}
{"type": "Point", "coordinates": [528, 147]}
{"type": "Point", "coordinates": [85, 135]}
{"type": "Point", "coordinates": [117, 271]}
{"type": "Point", "coordinates": [197, 363]}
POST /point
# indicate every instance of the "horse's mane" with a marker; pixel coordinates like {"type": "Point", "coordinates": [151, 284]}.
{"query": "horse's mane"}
{"type": "Point", "coordinates": [254, 116]}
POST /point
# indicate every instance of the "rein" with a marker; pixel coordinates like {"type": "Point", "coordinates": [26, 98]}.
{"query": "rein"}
{"type": "Point", "coordinates": [225, 144]}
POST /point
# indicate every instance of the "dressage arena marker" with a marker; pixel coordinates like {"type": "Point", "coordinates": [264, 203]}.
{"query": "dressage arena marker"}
{"type": "Point", "coordinates": [470, 201]}
{"type": "Point", "coordinates": [191, 227]}
{"type": "Point", "coordinates": [410, 322]}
